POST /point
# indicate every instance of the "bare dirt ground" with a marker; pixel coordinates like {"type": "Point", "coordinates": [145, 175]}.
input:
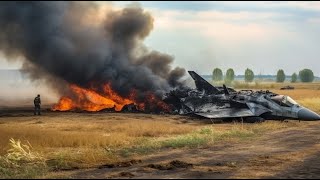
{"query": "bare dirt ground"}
{"type": "Point", "coordinates": [287, 153]}
{"type": "Point", "coordinates": [284, 154]}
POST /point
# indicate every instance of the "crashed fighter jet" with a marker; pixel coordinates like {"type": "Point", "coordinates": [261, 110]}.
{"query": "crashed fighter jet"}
{"type": "Point", "coordinates": [226, 103]}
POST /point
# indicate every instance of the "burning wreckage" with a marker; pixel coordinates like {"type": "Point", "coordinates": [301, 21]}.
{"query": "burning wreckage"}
{"type": "Point", "coordinates": [226, 103]}
{"type": "Point", "coordinates": [223, 102]}
{"type": "Point", "coordinates": [98, 62]}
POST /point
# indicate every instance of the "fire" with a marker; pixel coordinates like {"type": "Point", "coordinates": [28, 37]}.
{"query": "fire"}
{"type": "Point", "coordinates": [90, 100]}
{"type": "Point", "coordinates": [64, 104]}
{"type": "Point", "coordinates": [154, 103]}
{"type": "Point", "coordinates": [94, 100]}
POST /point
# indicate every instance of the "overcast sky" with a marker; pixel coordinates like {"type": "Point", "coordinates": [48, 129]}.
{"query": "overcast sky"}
{"type": "Point", "coordinates": [263, 36]}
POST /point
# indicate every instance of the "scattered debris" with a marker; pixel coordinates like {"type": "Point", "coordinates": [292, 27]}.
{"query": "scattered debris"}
{"type": "Point", "coordinates": [130, 108]}
{"type": "Point", "coordinates": [287, 87]}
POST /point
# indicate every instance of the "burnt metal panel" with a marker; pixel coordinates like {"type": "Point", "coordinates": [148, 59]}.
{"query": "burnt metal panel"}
{"type": "Point", "coordinates": [227, 113]}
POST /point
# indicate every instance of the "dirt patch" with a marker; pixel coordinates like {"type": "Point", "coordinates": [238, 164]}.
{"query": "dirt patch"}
{"type": "Point", "coordinates": [15, 115]}
{"type": "Point", "coordinates": [308, 169]}
{"type": "Point", "coordinates": [38, 122]}
{"type": "Point", "coordinates": [170, 166]}
{"type": "Point", "coordinates": [121, 164]}
{"type": "Point", "coordinates": [122, 175]}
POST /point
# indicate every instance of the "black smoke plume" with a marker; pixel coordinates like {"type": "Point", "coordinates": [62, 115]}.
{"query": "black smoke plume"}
{"type": "Point", "coordinates": [69, 43]}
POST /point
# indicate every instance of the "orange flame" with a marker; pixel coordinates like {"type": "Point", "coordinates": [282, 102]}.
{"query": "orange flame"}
{"type": "Point", "coordinates": [155, 103]}
{"type": "Point", "coordinates": [91, 100]}
{"type": "Point", "coordinates": [64, 104]}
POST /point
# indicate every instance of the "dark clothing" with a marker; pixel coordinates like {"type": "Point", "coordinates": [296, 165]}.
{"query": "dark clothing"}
{"type": "Point", "coordinates": [37, 109]}
{"type": "Point", "coordinates": [37, 103]}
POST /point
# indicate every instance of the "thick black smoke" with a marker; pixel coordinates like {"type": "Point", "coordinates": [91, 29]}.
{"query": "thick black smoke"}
{"type": "Point", "coordinates": [66, 42]}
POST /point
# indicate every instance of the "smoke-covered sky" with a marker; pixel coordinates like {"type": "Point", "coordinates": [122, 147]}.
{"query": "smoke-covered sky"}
{"type": "Point", "coordinates": [88, 45]}
{"type": "Point", "coordinates": [264, 36]}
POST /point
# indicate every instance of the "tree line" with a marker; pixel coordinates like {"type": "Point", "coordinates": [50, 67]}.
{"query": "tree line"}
{"type": "Point", "coordinates": [305, 75]}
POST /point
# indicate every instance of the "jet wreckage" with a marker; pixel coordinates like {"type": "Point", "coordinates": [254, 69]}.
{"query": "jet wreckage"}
{"type": "Point", "coordinates": [226, 103]}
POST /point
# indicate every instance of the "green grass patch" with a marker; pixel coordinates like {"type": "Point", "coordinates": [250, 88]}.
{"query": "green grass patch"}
{"type": "Point", "coordinates": [7, 171]}
{"type": "Point", "coordinates": [22, 162]}
{"type": "Point", "coordinates": [238, 134]}
{"type": "Point", "coordinates": [198, 138]}
{"type": "Point", "coordinates": [64, 161]}
{"type": "Point", "coordinates": [205, 136]}
{"type": "Point", "coordinates": [143, 145]}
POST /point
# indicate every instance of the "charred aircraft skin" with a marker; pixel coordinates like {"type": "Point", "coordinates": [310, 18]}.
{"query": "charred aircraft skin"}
{"type": "Point", "coordinates": [226, 103]}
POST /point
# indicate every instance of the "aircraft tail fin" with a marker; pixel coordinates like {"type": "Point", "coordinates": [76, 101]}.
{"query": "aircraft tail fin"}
{"type": "Point", "coordinates": [202, 84]}
{"type": "Point", "coordinates": [226, 91]}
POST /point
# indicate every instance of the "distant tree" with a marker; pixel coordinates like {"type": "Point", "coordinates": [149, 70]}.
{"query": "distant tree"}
{"type": "Point", "coordinates": [306, 75]}
{"type": "Point", "coordinates": [260, 76]}
{"type": "Point", "coordinates": [280, 76]}
{"type": "Point", "coordinates": [217, 74]}
{"type": "Point", "coordinates": [229, 75]}
{"type": "Point", "coordinates": [294, 78]}
{"type": "Point", "coordinates": [248, 75]}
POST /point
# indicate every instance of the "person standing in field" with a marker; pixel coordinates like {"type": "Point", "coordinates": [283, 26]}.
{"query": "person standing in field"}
{"type": "Point", "coordinates": [37, 103]}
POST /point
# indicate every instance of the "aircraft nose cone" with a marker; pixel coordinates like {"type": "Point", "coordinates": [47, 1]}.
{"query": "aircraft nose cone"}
{"type": "Point", "coordinates": [306, 114]}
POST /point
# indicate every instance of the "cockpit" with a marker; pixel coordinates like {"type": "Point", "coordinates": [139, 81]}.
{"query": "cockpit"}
{"type": "Point", "coordinates": [283, 100]}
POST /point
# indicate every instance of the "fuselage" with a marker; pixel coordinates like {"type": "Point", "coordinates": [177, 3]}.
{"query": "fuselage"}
{"type": "Point", "coordinates": [221, 102]}
{"type": "Point", "coordinates": [245, 103]}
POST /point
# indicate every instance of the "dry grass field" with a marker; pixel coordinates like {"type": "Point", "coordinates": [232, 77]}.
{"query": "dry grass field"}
{"type": "Point", "coordinates": [273, 85]}
{"type": "Point", "coordinates": [58, 141]}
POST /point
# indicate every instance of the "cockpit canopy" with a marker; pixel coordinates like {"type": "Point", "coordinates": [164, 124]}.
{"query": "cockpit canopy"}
{"type": "Point", "coordinates": [283, 100]}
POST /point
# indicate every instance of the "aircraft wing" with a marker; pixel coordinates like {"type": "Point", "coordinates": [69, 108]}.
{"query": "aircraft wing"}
{"type": "Point", "coordinates": [227, 113]}
{"type": "Point", "coordinates": [253, 110]}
